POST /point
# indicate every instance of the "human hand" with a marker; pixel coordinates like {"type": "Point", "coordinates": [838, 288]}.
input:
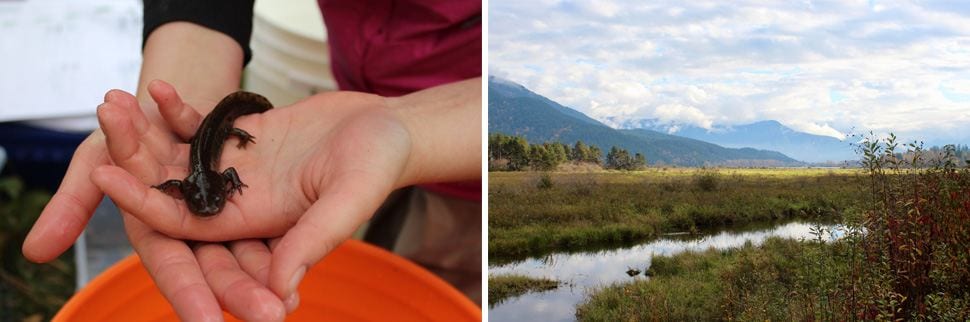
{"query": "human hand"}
{"type": "Point", "coordinates": [318, 170]}
{"type": "Point", "coordinates": [196, 280]}
{"type": "Point", "coordinates": [174, 266]}
{"type": "Point", "coordinates": [67, 213]}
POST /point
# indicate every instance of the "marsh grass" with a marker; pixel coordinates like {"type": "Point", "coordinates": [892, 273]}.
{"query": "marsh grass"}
{"type": "Point", "coordinates": [583, 210]}
{"type": "Point", "coordinates": [708, 180]}
{"type": "Point", "coordinates": [544, 181]}
{"type": "Point", "coordinates": [503, 287]}
{"type": "Point", "coordinates": [766, 282]}
{"type": "Point", "coordinates": [905, 255]}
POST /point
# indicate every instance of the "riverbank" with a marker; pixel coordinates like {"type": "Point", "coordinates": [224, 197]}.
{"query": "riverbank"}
{"type": "Point", "coordinates": [503, 287]}
{"type": "Point", "coordinates": [535, 213]}
{"type": "Point", "coordinates": [588, 271]}
{"type": "Point", "coordinates": [779, 280]}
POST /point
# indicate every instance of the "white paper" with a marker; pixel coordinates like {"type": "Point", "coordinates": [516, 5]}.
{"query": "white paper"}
{"type": "Point", "coordinates": [58, 57]}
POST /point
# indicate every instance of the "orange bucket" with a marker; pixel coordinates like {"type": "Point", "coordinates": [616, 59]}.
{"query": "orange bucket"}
{"type": "Point", "coordinates": [356, 282]}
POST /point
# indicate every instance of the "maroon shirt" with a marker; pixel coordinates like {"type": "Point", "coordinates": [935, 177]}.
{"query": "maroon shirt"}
{"type": "Point", "coordinates": [392, 48]}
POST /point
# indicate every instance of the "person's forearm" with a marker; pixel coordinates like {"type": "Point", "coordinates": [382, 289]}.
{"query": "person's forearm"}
{"type": "Point", "coordinates": [203, 65]}
{"type": "Point", "coordinates": [445, 123]}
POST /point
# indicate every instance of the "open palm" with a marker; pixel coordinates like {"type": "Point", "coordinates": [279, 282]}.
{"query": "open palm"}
{"type": "Point", "coordinates": [332, 150]}
{"type": "Point", "coordinates": [317, 171]}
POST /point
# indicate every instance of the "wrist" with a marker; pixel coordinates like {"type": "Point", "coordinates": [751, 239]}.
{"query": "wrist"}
{"type": "Point", "coordinates": [444, 125]}
{"type": "Point", "coordinates": [411, 170]}
{"type": "Point", "coordinates": [202, 64]}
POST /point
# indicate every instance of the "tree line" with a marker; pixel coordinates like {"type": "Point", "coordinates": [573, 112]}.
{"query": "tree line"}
{"type": "Point", "coordinates": [514, 153]}
{"type": "Point", "coordinates": [958, 154]}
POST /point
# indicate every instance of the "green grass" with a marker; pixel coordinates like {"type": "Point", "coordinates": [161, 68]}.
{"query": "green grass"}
{"type": "Point", "coordinates": [776, 281]}
{"type": "Point", "coordinates": [529, 215]}
{"type": "Point", "coordinates": [503, 287]}
{"type": "Point", "coordinates": [781, 280]}
{"type": "Point", "coordinates": [28, 291]}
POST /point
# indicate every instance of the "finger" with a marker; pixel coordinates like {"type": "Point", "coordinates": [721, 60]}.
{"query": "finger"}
{"type": "Point", "coordinates": [128, 102]}
{"type": "Point", "coordinates": [272, 244]}
{"type": "Point", "coordinates": [180, 117]}
{"type": "Point", "coordinates": [133, 196]}
{"type": "Point", "coordinates": [328, 222]}
{"type": "Point", "coordinates": [239, 293]}
{"type": "Point", "coordinates": [176, 272]}
{"type": "Point", "coordinates": [164, 213]}
{"type": "Point", "coordinates": [68, 211]}
{"type": "Point", "coordinates": [254, 257]}
{"type": "Point", "coordinates": [123, 143]}
{"type": "Point", "coordinates": [121, 111]}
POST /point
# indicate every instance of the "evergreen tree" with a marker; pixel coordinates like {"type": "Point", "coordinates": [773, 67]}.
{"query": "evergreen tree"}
{"type": "Point", "coordinates": [620, 159]}
{"type": "Point", "coordinates": [516, 149]}
{"type": "Point", "coordinates": [557, 151]}
{"type": "Point", "coordinates": [613, 158]}
{"type": "Point", "coordinates": [580, 152]}
{"type": "Point", "coordinates": [639, 162]}
{"type": "Point", "coordinates": [542, 157]}
{"type": "Point", "coordinates": [595, 155]}
{"type": "Point", "coordinates": [496, 144]}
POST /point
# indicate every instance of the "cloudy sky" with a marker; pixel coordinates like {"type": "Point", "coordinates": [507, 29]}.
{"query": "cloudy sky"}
{"type": "Point", "coordinates": [826, 68]}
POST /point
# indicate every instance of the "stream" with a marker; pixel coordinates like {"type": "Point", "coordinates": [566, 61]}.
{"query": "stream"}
{"type": "Point", "coordinates": [583, 271]}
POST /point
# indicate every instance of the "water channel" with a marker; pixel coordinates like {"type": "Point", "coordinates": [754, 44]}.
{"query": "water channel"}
{"type": "Point", "coordinates": [586, 271]}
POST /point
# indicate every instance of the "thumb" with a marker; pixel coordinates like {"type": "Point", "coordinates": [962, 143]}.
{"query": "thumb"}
{"type": "Point", "coordinates": [328, 222]}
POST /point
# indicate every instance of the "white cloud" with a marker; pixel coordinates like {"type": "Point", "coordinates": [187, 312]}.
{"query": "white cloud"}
{"type": "Point", "coordinates": [817, 129]}
{"type": "Point", "coordinates": [903, 68]}
{"type": "Point", "coordinates": [683, 113]}
{"type": "Point", "coordinates": [696, 95]}
{"type": "Point", "coordinates": [602, 8]}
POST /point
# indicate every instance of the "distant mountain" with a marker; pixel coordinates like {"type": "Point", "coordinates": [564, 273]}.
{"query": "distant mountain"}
{"type": "Point", "coordinates": [514, 110]}
{"type": "Point", "coordinates": [768, 135]}
{"type": "Point", "coordinates": [506, 89]}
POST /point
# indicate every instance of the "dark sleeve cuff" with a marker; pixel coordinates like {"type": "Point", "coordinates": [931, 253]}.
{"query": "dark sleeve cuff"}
{"type": "Point", "coordinates": [233, 18]}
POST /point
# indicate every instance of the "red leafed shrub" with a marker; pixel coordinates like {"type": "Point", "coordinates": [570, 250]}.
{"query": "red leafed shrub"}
{"type": "Point", "coordinates": [916, 245]}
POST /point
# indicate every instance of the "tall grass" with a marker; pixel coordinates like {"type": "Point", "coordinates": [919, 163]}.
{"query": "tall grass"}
{"type": "Point", "coordinates": [531, 213]}
{"type": "Point", "coordinates": [748, 284]}
{"type": "Point", "coordinates": [504, 287]}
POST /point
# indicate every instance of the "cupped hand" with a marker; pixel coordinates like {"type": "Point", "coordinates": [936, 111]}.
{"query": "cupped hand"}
{"type": "Point", "coordinates": [317, 171]}
{"type": "Point", "coordinates": [196, 281]}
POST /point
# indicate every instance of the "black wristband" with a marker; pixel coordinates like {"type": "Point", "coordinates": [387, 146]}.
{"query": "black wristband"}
{"type": "Point", "coordinates": [233, 18]}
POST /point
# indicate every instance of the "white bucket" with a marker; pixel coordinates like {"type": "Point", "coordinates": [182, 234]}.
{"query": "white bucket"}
{"type": "Point", "coordinates": [290, 55]}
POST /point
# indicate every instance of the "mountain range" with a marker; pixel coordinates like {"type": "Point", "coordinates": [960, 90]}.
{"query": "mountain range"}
{"type": "Point", "coordinates": [767, 135]}
{"type": "Point", "coordinates": [515, 110]}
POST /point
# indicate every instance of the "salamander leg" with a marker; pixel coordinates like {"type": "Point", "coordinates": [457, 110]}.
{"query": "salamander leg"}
{"type": "Point", "coordinates": [243, 136]}
{"type": "Point", "coordinates": [171, 187]}
{"type": "Point", "coordinates": [234, 183]}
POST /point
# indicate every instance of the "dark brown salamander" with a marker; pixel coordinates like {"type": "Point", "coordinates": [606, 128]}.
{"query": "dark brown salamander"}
{"type": "Point", "coordinates": [205, 190]}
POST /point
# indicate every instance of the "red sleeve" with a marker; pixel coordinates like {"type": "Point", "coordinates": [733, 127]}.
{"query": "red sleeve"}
{"type": "Point", "coordinates": [392, 48]}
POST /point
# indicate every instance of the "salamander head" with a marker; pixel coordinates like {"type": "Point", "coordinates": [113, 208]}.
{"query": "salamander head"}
{"type": "Point", "coordinates": [204, 193]}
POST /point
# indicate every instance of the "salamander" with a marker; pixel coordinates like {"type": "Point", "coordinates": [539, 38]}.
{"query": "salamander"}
{"type": "Point", "coordinates": [205, 190]}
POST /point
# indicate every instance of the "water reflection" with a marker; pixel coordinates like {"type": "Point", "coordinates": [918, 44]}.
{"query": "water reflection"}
{"type": "Point", "coordinates": [584, 271]}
